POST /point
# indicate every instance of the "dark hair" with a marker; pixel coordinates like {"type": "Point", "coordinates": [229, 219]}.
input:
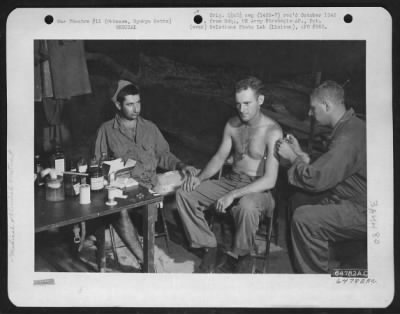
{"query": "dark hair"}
{"type": "Point", "coordinates": [329, 90]}
{"type": "Point", "coordinates": [125, 91]}
{"type": "Point", "coordinates": [250, 82]}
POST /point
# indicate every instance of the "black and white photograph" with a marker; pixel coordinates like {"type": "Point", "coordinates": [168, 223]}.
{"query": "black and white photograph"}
{"type": "Point", "coordinates": [238, 138]}
{"type": "Point", "coordinates": [233, 157]}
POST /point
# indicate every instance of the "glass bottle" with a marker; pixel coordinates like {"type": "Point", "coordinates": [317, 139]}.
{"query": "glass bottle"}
{"type": "Point", "coordinates": [95, 176]}
{"type": "Point", "coordinates": [72, 166]}
{"type": "Point", "coordinates": [58, 160]}
{"type": "Point", "coordinates": [103, 158]}
{"type": "Point", "coordinates": [82, 165]}
{"type": "Point", "coordinates": [72, 183]}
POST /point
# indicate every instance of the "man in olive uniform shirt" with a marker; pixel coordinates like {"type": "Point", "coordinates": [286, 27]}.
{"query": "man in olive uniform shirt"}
{"type": "Point", "coordinates": [128, 135]}
{"type": "Point", "coordinates": [341, 172]}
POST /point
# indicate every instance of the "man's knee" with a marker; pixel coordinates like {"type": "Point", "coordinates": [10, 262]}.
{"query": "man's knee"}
{"type": "Point", "coordinates": [121, 221]}
{"type": "Point", "coordinates": [257, 202]}
{"type": "Point", "coordinates": [124, 215]}
{"type": "Point", "coordinates": [247, 206]}
{"type": "Point", "coordinates": [180, 195]}
{"type": "Point", "coordinates": [183, 198]}
{"type": "Point", "coordinates": [303, 216]}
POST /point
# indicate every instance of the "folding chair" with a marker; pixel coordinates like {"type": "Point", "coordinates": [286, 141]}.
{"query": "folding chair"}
{"type": "Point", "coordinates": [271, 222]}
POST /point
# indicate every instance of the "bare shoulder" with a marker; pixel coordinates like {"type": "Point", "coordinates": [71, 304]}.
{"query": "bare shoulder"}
{"type": "Point", "coordinates": [272, 128]}
{"type": "Point", "coordinates": [234, 122]}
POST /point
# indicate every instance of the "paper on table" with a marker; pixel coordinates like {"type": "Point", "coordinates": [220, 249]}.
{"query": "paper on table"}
{"type": "Point", "coordinates": [123, 183]}
{"type": "Point", "coordinates": [118, 164]}
{"type": "Point", "coordinates": [168, 182]}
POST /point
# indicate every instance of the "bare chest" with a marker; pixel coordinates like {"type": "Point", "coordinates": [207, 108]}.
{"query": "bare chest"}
{"type": "Point", "coordinates": [249, 141]}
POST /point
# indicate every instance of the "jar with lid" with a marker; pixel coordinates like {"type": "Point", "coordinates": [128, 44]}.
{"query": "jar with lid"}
{"type": "Point", "coordinates": [54, 189]}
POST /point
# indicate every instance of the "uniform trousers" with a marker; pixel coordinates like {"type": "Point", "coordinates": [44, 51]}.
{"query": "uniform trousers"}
{"type": "Point", "coordinates": [314, 226]}
{"type": "Point", "coordinates": [245, 211]}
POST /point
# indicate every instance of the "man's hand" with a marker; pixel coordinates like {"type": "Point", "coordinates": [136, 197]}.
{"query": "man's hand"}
{"type": "Point", "coordinates": [224, 202]}
{"type": "Point", "coordinates": [190, 171]}
{"type": "Point", "coordinates": [190, 183]}
{"type": "Point", "coordinates": [294, 143]}
{"type": "Point", "coordinates": [186, 169]}
{"type": "Point", "coordinates": [295, 146]}
{"type": "Point", "coordinates": [285, 151]}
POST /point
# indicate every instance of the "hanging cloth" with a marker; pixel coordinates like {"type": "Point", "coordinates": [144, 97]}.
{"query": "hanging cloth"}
{"type": "Point", "coordinates": [60, 73]}
{"type": "Point", "coordinates": [55, 131]}
{"type": "Point", "coordinates": [68, 68]}
{"type": "Point", "coordinates": [42, 75]}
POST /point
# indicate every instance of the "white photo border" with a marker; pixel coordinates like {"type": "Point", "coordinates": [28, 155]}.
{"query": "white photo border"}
{"type": "Point", "coordinates": [373, 25]}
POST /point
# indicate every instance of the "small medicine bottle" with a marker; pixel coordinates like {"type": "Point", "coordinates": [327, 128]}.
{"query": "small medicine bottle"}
{"type": "Point", "coordinates": [95, 176]}
{"type": "Point", "coordinates": [58, 160]}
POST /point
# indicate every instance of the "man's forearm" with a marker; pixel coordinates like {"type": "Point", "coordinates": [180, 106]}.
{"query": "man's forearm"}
{"type": "Point", "coordinates": [299, 154]}
{"type": "Point", "coordinates": [213, 166]}
{"type": "Point", "coordinates": [304, 156]}
{"type": "Point", "coordinates": [260, 185]}
{"type": "Point", "coordinates": [180, 165]}
{"type": "Point", "coordinates": [169, 161]}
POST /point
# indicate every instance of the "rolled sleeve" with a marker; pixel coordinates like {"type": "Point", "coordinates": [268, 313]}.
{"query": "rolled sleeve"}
{"type": "Point", "coordinates": [101, 145]}
{"type": "Point", "coordinates": [166, 160]}
{"type": "Point", "coordinates": [327, 171]}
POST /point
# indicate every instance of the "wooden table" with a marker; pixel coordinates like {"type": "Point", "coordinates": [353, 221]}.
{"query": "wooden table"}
{"type": "Point", "coordinates": [50, 215]}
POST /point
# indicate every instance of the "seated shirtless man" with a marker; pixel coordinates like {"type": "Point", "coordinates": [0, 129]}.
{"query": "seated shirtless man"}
{"type": "Point", "coordinates": [251, 137]}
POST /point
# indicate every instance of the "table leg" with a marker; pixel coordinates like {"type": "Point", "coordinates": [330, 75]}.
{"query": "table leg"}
{"type": "Point", "coordinates": [149, 220]}
{"type": "Point", "coordinates": [100, 252]}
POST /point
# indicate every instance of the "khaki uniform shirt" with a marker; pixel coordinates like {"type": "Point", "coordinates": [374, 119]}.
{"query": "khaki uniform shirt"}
{"type": "Point", "coordinates": [148, 147]}
{"type": "Point", "coordinates": [342, 169]}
